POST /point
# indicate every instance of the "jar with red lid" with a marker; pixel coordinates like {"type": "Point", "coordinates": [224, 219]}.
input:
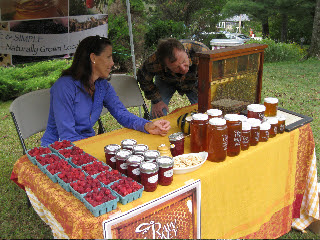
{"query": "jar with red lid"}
{"type": "Point", "coordinates": [149, 176]}
{"type": "Point", "coordinates": [214, 113]}
{"type": "Point", "coordinates": [234, 134]}
{"type": "Point", "coordinates": [165, 173]}
{"type": "Point", "coordinates": [217, 136]}
{"type": "Point", "coordinates": [121, 160]}
{"type": "Point", "coordinates": [256, 111]}
{"type": "Point", "coordinates": [281, 123]}
{"type": "Point", "coordinates": [176, 143]}
{"type": "Point", "coordinates": [198, 131]}
{"type": "Point", "coordinates": [245, 136]}
{"type": "Point", "coordinates": [128, 144]}
{"type": "Point", "coordinates": [273, 121]}
{"type": "Point", "coordinates": [255, 131]}
{"type": "Point", "coordinates": [264, 132]}
{"type": "Point", "coordinates": [151, 155]}
{"type": "Point", "coordinates": [133, 167]}
{"type": "Point", "coordinates": [110, 151]}
{"type": "Point", "coordinates": [271, 106]}
{"type": "Point", "coordinates": [139, 149]}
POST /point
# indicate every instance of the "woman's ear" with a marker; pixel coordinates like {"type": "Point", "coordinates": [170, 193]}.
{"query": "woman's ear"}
{"type": "Point", "coordinates": [93, 58]}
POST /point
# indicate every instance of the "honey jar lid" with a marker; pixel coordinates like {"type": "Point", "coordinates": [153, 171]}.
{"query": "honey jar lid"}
{"type": "Point", "coordinates": [232, 117]}
{"type": "Point", "coordinates": [134, 160]}
{"type": "Point", "coordinates": [271, 100]}
{"type": "Point", "coordinates": [200, 116]}
{"type": "Point", "coordinates": [265, 126]}
{"type": "Point", "coordinates": [214, 112]}
{"type": "Point", "coordinates": [243, 118]}
{"type": "Point", "coordinates": [140, 148]}
{"type": "Point", "coordinates": [123, 154]}
{"type": "Point", "coordinates": [151, 154]}
{"type": "Point", "coordinates": [217, 121]}
{"type": "Point", "coordinates": [256, 108]}
{"type": "Point", "coordinates": [254, 122]}
{"type": "Point", "coordinates": [130, 142]}
{"type": "Point", "coordinates": [149, 167]}
{"type": "Point", "coordinates": [176, 136]}
{"type": "Point", "coordinates": [165, 161]}
{"type": "Point", "coordinates": [246, 126]}
{"type": "Point", "coordinates": [112, 148]}
{"type": "Point", "coordinates": [272, 120]}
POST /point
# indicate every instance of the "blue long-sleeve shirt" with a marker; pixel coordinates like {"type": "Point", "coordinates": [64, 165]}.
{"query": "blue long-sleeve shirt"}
{"type": "Point", "coordinates": [73, 113]}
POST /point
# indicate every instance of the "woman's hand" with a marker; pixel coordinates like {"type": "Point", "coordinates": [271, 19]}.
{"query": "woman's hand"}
{"type": "Point", "coordinates": [158, 127]}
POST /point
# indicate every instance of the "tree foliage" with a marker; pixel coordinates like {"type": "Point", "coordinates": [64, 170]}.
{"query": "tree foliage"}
{"type": "Point", "coordinates": [314, 50]}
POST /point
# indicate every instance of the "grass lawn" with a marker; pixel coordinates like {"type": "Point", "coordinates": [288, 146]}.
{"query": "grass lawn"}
{"type": "Point", "coordinates": [295, 84]}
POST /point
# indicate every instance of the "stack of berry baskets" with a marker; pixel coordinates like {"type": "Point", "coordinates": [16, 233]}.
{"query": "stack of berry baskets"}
{"type": "Point", "coordinates": [68, 153]}
{"type": "Point", "coordinates": [37, 151]}
{"type": "Point", "coordinates": [109, 177]}
{"type": "Point", "coordinates": [53, 169]}
{"type": "Point", "coordinates": [126, 189]}
{"type": "Point", "coordinates": [100, 201]}
{"type": "Point", "coordinates": [94, 168]}
{"type": "Point", "coordinates": [81, 187]}
{"type": "Point", "coordinates": [58, 145]}
{"type": "Point", "coordinates": [43, 161]}
{"type": "Point", "coordinates": [68, 176]}
{"type": "Point", "coordinates": [77, 161]}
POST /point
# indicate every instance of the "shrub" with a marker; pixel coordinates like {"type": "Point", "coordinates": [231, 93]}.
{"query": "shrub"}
{"type": "Point", "coordinates": [277, 52]}
{"type": "Point", "coordinates": [17, 80]}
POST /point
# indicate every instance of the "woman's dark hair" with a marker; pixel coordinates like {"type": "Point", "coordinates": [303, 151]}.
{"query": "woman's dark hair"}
{"type": "Point", "coordinates": [80, 68]}
{"type": "Point", "coordinates": [165, 49]}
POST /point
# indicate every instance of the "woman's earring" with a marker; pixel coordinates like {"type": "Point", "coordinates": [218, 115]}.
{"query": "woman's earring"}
{"type": "Point", "coordinates": [94, 62]}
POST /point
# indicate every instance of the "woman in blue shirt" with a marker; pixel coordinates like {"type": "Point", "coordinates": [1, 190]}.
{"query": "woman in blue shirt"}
{"type": "Point", "coordinates": [78, 96]}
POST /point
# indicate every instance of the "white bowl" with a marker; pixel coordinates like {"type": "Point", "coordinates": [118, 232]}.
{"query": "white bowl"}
{"type": "Point", "coordinates": [203, 155]}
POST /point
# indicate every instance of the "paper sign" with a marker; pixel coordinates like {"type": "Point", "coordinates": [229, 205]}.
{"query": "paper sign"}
{"type": "Point", "coordinates": [176, 215]}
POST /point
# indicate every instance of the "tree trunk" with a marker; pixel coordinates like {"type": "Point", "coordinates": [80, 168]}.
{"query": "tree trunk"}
{"type": "Point", "coordinates": [265, 28]}
{"type": "Point", "coordinates": [314, 50]}
{"type": "Point", "coordinates": [284, 28]}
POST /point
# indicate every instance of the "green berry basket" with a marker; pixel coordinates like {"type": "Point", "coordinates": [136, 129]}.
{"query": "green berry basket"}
{"type": "Point", "coordinates": [33, 159]}
{"type": "Point", "coordinates": [102, 208]}
{"type": "Point", "coordinates": [107, 185]}
{"type": "Point", "coordinates": [79, 166]}
{"type": "Point", "coordinates": [53, 177]}
{"type": "Point", "coordinates": [96, 174]}
{"type": "Point", "coordinates": [63, 184]}
{"type": "Point", "coordinates": [78, 195]}
{"type": "Point", "coordinates": [43, 168]}
{"type": "Point", "coordinates": [128, 198]}
{"type": "Point", "coordinates": [57, 150]}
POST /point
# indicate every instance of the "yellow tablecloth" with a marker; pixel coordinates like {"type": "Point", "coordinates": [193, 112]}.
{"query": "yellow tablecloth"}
{"type": "Point", "coordinates": [251, 195]}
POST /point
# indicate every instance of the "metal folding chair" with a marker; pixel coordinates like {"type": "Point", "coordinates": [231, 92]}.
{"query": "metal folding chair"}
{"type": "Point", "coordinates": [129, 93]}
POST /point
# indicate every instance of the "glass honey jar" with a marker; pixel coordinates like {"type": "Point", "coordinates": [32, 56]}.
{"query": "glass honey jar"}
{"type": "Point", "coordinates": [255, 131]}
{"type": "Point", "coordinates": [264, 132]}
{"type": "Point", "coordinates": [273, 121]}
{"type": "Point", "coordinates": [271, 105]}
{"type": "Point", "coordinates": [198, 131]}
{"type": "Point", "coordinates": [256, 111]}
{"type": "Point", "coordinates": [234, 134]}
{"type": "Point", "coordinates": [245, 136]}
{"type": "Point", "coordinates": [217, 137]}
{"type": "Point", "coordinates": [214, 113]}
{"type": "Point", "coordinates": [281, 123]}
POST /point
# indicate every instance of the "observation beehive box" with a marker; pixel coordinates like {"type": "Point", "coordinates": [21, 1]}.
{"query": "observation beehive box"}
{"type": "Point", "coordinates": [230, 78]}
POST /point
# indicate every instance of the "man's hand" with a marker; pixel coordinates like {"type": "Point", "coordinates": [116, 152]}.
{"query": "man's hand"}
{"type": "Point", "coordinates": [158, 127]}
{"type": "Point", "coordinates": [157, 109]}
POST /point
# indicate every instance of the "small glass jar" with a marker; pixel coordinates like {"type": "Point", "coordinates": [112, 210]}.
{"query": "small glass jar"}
{"type": "Point", "coordinates": [273, 121]}
{"type": "Point", "coordinates": [217, 136]}
{"type": "Point", "coordinates": [255, 131]}
{"type": "Point", "coordinates": [165, 173]}
{"type": "Point", "coordinates": [110, 151]}
{"type": "Point", "coordinates": [176, 143]}
{"type": "Point", "coordinates": [121, 160]}
{"type": "Point", "coordinates": [256, 111]}
{"type": "Point", "coordinates": [264, 132]}
{"type": "Point", "coordinates": [139, 149]}
{"type": "Point", "coordinates": [128, 144]}
{"type": "Point", "coordinates": [242, 118]}
{"type": "Point", "coordinates": [234, 134]}
{"type": "Point", "coordinates": [133, 167]}
{"type": "Point", "coordinates": [271, 106]}
{"type": "Point", "coordinates": [198, 131]}
{"type": "Point", "coordinates": [281, 123]}
{"type": "Point", "coordinates": [149, 176]}
{"type": "Point", "coordinates": [214, 113]}
{"type": "Point", "coordinates": [151, 155]}
{"type": "Point", "coordinates": [245, 136]}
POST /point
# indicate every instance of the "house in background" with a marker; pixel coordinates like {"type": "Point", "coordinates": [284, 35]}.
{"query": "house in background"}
{"type": "Point", "coordinates": [234, 22]}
